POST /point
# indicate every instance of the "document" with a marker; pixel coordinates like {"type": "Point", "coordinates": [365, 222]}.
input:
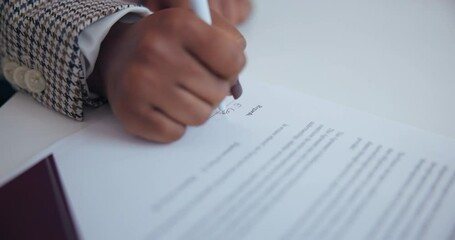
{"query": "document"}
{"type": "Point", "coordinates": [276, 165]}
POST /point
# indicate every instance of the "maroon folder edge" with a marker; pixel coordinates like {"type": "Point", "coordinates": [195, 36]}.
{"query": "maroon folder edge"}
{"type": "Point", "coordinates": [33, 205]}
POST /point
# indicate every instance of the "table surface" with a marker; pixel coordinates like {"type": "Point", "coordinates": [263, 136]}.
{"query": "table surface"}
{"type": "Point", "coordinates": [394, 59]}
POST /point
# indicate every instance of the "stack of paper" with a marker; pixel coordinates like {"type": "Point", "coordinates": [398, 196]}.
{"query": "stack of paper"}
{"type": "Point", "coordinates": [278, 165]}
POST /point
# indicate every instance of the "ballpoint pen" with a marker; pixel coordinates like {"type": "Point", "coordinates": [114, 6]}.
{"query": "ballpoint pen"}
{"type": "Point", "coordinates": [202, 9]}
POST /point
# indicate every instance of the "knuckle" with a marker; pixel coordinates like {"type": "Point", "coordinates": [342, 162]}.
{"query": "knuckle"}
{"type": "Point", "coordinates": [242, 42]}
{"type": "Point", "coordinates": [231, 58]}
{"type": "Point", "coordinates": [149, 44]}
{"type": "Point", "coordinates": [224, 89]}
{"type": "Point", "coordinates": [163, 133]}
{"type": "Point", "coordinates": [241, 62]}
{"type": "Point", "coordinates": [178, 20]}
{"type": "Point", "coordinates": [236, 62]}
{"type": "Point", "coordinates": [160, 127]}
{"type": "Point", "coordinates": [195, 119]}
{"type": "Point", "coordinates": [171, 134]}
{"type": "Point", "coordinates": [151, 127]}
{"type": "Point", "coordinates": [153, 47]}
{"type": "Point", "coordinates": [202, 116]}
{"type": "Point", "coordinates": [131, 123]}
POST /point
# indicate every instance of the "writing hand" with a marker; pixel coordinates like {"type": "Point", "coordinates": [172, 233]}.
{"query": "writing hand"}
{"type": "Point", "coordinates": [167, 71]}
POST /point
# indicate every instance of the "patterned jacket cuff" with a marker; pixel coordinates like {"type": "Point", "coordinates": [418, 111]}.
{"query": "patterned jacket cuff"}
{"type": "Point", "coordinates": [39, 40]}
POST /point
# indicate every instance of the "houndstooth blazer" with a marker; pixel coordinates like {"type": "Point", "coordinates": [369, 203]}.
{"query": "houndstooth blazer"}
{"type": "Point", "coordinates": [40, 38]}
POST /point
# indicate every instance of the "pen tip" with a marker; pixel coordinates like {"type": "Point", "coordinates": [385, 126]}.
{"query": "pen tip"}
{"type": "Point", "coordinates": [237, 90]}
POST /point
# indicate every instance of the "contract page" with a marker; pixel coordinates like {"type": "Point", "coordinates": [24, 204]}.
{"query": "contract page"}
{"type": "Point", "coordinates": [275, 165]}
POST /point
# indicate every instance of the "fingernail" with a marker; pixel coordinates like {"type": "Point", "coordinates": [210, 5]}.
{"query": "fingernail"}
{"type": "Point", "coordinates": [237, 90]}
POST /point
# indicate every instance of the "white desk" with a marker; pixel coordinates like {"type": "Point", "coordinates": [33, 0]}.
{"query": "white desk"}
{"type": "Point", "coordinates": [395, 60]}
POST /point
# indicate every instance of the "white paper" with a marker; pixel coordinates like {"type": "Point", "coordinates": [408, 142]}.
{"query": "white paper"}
{"type": "Point", "coordinates": [279, 165]}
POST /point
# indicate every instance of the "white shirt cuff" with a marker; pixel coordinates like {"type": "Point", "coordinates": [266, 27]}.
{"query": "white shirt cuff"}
{"type": "Point", "coordinates": [91, 37]}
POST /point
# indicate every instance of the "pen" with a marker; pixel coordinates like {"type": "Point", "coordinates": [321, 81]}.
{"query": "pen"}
{"type": "Point", "coordinates": [202, 9]}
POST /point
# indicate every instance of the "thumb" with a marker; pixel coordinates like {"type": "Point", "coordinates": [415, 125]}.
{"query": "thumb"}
{"type": "Point", "coordinates": [227, 28]}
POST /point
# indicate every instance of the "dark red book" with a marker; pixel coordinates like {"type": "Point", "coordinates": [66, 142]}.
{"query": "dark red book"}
{"type": "Point", "coordinates": [33, 205]}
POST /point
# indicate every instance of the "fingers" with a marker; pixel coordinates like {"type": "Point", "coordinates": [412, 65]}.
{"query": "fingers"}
{"type": "Point", "coordinates": [229, 29]}
{"type": "Point", "coordinates": [228, 10]}
{"type": "Point", "coordinates": [195, 78]}
{"type": "Point", "coordinates": [164, 117]}
{"type": "Point", "coordinates": [208, 87]}
{"type": "Point", "coordinates": [184, 90]}
{"type": "Point", "coordinates": [154, 125]}
{"type": "Point", "coordinates": [216, 5]}
{"type": "Point", "coordinates": [244, 10]}
{"type": "Point", "coordinates": [234, 11]}
{"type": "Point", "coordinates": [170, 71]}
{"type": "Point", "coordinates": [182, 106]}
{"type": "Point", "coordinates": [220, 49]}
{"type": "Point", "coordinates": [144, 121]}
{"type": "Point", "coordinates": [190, 94]}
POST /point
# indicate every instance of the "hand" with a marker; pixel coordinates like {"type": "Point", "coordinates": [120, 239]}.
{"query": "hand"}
{"type": "Point", "coordinates": [167, 71]}
{"type": "Point", "coordinates": [235, 11]}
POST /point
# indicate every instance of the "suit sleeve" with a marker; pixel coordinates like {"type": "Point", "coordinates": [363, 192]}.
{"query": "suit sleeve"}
{"type": "Point", "coordinates": [40, 53]}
